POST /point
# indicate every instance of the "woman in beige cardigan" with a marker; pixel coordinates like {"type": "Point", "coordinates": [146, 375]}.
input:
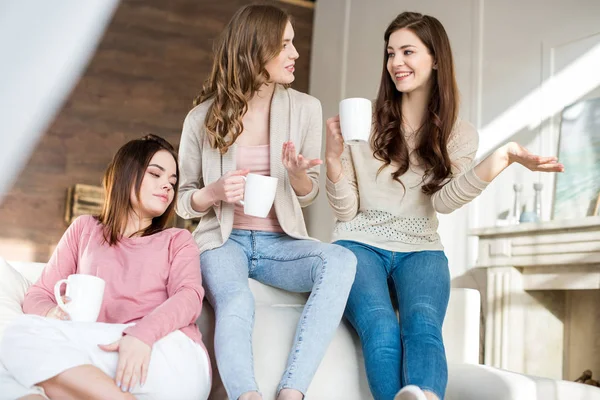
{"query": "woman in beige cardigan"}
{"type": "Point", "coordinates": [247, 119]}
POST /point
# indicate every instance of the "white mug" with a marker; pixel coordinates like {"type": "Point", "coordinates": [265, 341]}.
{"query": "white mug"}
{"type": "Point", "coordinates": [86, 293]}
{"type": "Point", "coordinates": [355, 120]}
{"type": "Point", "coordinates": [259, 195]}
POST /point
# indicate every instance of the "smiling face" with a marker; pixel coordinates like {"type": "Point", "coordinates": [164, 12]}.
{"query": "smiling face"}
{"type": "Point", "coordinates": [409, 62]}
{"type": "Point", "coordinates": [281, 67]}
{"type": "Point", "coordinates": [157, 188]}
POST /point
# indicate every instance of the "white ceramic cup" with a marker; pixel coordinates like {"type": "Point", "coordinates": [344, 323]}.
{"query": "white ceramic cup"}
{"type": "Point", "coordinates": [355, 120]}
{"type": "Point", "coordinates": [86, 293]}
{"type": "Point", "coordinates": [259, 195]}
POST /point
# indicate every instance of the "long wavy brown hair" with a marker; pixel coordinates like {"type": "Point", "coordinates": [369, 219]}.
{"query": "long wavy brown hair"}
{"type": "Point", "coordinates": [388, 142]}
{"type": "Point", "coordinates": [125, 173]}
{"type": "Point", "coordinates": [252, 38]}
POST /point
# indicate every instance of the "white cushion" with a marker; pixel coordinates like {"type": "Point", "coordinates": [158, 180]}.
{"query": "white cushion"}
{"type": "Point", "coordinates": [340, 375]}
{"type": "Point", "coordinates": [13, 286]}
{"type": "Point", "coordinates": [30, 270]}
{"type": "Point", "coordinates": [341, 372]}
{"type": "Point", "coordinates": [468, 381]}
{"type": "Point", "coordinates": [555, 389]}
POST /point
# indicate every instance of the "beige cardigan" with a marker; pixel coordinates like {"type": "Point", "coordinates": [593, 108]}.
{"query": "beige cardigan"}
{"type": "Point", "coordinates": [294, 116]}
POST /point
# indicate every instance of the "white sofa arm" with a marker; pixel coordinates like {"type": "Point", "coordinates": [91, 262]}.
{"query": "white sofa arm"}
{"type": "Point", "coordinates": [461, 326]}
{"type": "Point", "coordinates": [480, 382]}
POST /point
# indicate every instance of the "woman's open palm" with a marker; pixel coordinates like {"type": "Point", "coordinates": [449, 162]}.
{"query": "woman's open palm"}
{"type": "Point", "coordinates": [533, 162]}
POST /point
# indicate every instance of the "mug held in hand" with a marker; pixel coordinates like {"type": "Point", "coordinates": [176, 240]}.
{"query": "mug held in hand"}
{"type": "Point", "coordinates": [355, 120]}
{"type": "Point", "coordinates": [86, 293]}
{"type": "Point", "coordinates": [259, 195]}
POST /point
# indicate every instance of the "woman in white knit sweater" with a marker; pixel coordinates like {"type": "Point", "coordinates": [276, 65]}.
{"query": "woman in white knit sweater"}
{"type": "Point", "coordinates": [385, 195]}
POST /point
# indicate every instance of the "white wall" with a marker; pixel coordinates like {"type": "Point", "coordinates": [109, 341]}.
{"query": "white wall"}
{"type": "Point", "coordinates": [506, 54]}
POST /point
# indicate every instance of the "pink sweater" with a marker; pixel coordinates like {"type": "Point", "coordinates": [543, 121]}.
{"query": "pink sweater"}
{"type": "Point", "coordinates": [153, 281]}
{"type": "Point", "coordinates": [257, 159]}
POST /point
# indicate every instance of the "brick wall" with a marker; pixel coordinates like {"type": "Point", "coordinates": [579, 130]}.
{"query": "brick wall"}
{"type": "Point", "coordinates": [148, 67]}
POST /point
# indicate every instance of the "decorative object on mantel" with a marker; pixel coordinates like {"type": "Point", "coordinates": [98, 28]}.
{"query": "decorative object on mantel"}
{"type": "Point", "coordinates": [537, 202]}
{"type": "Point", "coordinates": [535, 213]}
{"type": "Point", "coordinates": [586, 378]}
{"type": "Point", "coordinates": [516, 211]}
{"type": "Point", "coordinates": [528, 216]}
{"type": "Point", "coordinates": [576, 190]}
{"type": "Point", "coordinates": [83, 200]}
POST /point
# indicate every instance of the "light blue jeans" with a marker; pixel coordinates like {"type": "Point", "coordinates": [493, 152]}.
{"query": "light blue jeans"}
{"type": "Point", "coordinates": [406, 349]}
{"type": "Point", "coordinates": [325, 270]}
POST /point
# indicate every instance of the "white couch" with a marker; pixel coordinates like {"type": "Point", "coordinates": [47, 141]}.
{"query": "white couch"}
{"type": "Point", "coordinates": [341, 375]}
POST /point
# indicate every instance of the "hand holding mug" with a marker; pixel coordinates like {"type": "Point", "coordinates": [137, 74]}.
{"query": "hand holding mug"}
{"type": "Point", "coordinates": [230, 187]}
{"type": "Point", "coordinates": [334, 141]}
{"type": "Point", "coordinates": [82, 300]}
{"type": "Point", "coordinates": [58, 313]}
{"type": "Point", "coordinates": [259, 194]}
{"type": "Point", "coordinates": [296, 165]}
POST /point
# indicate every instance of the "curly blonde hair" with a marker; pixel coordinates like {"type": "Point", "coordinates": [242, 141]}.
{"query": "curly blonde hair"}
{"type": "Point", "coordinates": [251, 38]}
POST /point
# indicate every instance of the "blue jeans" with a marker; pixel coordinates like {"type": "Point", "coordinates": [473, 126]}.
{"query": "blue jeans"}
{"type": "Point", "coordinates": [325, 270]}
{"type": "Point", "coordinates": [406, 349]}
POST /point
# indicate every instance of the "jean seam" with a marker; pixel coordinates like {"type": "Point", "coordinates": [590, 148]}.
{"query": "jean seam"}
{"type": "Point", "coordinates": [319, 256]}
{"type": "Point", "coordinates": [290, 371]}
{"type": "Point", "coordinates": [404, 378]}
{"type": "Point", "coordinates": [253, 255]}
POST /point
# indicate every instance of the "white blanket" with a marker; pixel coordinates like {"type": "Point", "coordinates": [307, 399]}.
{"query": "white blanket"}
{"type": "Point", "coordinates": [34, 349]}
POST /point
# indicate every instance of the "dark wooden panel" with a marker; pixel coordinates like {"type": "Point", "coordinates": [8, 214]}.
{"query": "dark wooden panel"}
{"type": "Point", "coordinates": [148, 67]}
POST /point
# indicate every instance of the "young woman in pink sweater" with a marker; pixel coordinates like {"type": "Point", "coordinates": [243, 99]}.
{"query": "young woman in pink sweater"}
{"type": "Point", "coordinates": [145, 343]}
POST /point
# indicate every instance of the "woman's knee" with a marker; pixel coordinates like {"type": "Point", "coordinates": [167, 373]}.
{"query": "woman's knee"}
{"type": "Point", "coordinates": [374, 323]}
{"type": "Point", "coordinates": [341, 261]}
{"type": "Point", "coordinates": [233, 300]}
{"type": "Point", "coordinates": [423, 319]}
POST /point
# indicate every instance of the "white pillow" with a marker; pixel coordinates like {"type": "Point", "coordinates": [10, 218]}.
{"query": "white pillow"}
{"type": "Point", "coordinates": [12, 292]}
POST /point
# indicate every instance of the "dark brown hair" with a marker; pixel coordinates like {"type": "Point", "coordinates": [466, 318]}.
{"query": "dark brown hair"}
{"type": "Point", "coordinates": [252, 38]}
{"type": "Point", "coordinates": [388, 143]}
{"type": "Point", "coordinates": [125, 172]}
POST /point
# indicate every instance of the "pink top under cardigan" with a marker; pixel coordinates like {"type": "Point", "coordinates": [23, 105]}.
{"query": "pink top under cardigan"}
{"type": "Point", "coordinates": [257, 160]}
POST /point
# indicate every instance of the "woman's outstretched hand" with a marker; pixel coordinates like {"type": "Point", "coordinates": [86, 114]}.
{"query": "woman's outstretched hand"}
{"type": "Point", "coordinates": [519, 154]}
{"type": "Point", "coordinates": [295, 164]}
{"type": "Point", "coordinates": [512, 152]}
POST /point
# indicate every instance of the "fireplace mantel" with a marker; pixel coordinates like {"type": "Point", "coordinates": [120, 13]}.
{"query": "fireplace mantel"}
{"type": "Point", "coordinates": [541, 297]}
